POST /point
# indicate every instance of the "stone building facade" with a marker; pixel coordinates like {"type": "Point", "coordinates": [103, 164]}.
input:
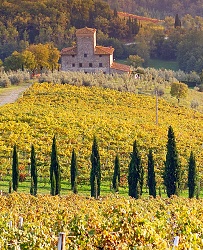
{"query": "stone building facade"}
{"type": "Point", "coordinates": [87, 57]}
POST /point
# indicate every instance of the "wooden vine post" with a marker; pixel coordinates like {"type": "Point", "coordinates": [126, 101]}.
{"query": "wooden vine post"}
{"type": "Point", "coordinates": [61, 241]}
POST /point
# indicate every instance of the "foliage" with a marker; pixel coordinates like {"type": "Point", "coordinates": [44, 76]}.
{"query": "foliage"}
{"type": "Point", "coordinates": [15, 170]}
{"type": "Point", "coordinates": [112, 222]}
{"type": "Point", "coordinates": [35, 57]}
{"type": "Point", "coordinates": [135, 61]}
{"type": "Point", "coordinates": [13, 62]}
{"type": "Point", "coordinates": [190, 52]}
{"type": "Point", "coordinates": [55, 173]}
{"type": "Point", "coordinates": [13, 78]}
{"type": "Point", "coordinates": [158, 8]}
{"type": "Point", "coordinates": [95, 174]}
{"type": "Point", "coordinates": [55, 22]}
{"type": "Point", "coordinates": [151, 182]}
{"type": "Point", "coordinates": [172, 166]}
{"type": "Point", "coordinates": [4, 81]}
{"type": "Point", "coordinates": [179, 90]}
{"type": "Point", "coordinates": [192, 175]}
{"type": "Point", "coordinates": [45, 56]}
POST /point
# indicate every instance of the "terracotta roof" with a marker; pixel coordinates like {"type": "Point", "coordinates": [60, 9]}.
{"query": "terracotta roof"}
{"type": "Point", "coordinates": [85, 30]}
{"type": "Point", "coordinates": [68, 51]}
{"type": "Point", "coordinates": [100, 50]}
{"type": "Point", "coordinates": [119, 66]}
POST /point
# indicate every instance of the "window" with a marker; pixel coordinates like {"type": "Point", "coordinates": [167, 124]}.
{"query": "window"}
{"type": "Point", "coordinates": [90, 65]}
{"type": "Point", "coordinates": [80, 65]}
{"type": "Point", "coordinates": [73, 64]}
{"type": "Point", "coordinates": [100, 65]}
{"type": "Point", "coordinates": [85, 55]}
{"type": "Point", "coordinates": [73, 55]}
{"type": "Point", "coordinates": [100, 55]}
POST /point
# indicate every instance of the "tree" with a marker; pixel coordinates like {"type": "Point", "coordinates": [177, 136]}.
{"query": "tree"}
{"type": "Point", "coordinates": [172, 166]}
{"type": "Point", "coordinates": [135, 173]}
{"type": "Point", "coordinates": [192, 175]}
{"type": "Point", "coordinates": [118, 28]}
{"type": "Point", "coordinates": [74, 172]}
{"type": "Point", "coordinates": [54, 56]}
{"type": "Point", "coordinates": [151, 175]}
{"type": "Point", "coordinates": [115, 13]}
{"type": "Point", "coordinates": [13, 62]}
{"type": "Point", "coordinates": [28, 60]}
{"type": "Point", "coordinates": [55, 175]}
{"type": "Point", "coordinates": [189, 48]}
{"type": "Point", "coordinates": [135, 60]}
{"type": "Point", "coordinates": [95, 175]}
{"type": "Point", "coordinates": [33, 189]}
{"type": "Point", "coordinates": [41, 53]}
{"type": "Point", "coordinates": [179, 90]}
{"type": "Point", "coordinates": [15, 169]}
{"type": "Point", "coordinates": [143, 49]}
{"type": "Point", "coordinates": [42, 56]}
{"type": "Point", "coordinates": [177, 23]}
{"type": "Point", "coordinates": [116, 174]}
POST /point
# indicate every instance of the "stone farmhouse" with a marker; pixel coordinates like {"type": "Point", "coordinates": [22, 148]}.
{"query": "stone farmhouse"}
{"type": "Point", "coordinates": [87, 57]}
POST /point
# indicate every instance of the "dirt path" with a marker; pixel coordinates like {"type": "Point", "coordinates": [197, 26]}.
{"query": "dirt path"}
{"type": "Point", "coordinates": [11, 95]}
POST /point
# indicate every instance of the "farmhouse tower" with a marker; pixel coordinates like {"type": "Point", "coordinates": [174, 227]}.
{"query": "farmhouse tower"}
{"type": "Point", "coordinates": [86, 41]}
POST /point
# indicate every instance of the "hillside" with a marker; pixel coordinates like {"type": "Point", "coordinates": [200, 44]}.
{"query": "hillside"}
{"type": "Point", "coordinates": [76, 114]}
{"type": "Point", "coordinates": [158, 8]}
{"type": "Point", "coordinates": [140, 18]}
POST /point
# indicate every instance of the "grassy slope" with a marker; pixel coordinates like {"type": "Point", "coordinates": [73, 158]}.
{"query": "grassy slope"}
{"type": "Point", "coordinates": [162, 64]}
{"type": "Point", "coordinates": [75, 114]}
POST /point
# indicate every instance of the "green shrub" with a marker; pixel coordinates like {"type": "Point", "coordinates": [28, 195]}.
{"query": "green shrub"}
{"type": "Point", "coordinates": [4, 81]}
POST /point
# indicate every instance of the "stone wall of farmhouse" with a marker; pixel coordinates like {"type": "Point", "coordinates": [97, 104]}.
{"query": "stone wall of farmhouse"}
{"type": "Point", "coordinates": [115, 71]}
{"type": "Point", "coordinates": [88, 64]}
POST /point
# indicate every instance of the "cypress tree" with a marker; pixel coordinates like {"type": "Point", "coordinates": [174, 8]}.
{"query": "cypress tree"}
{"type": "Point", "coordinates": [55, 174]}
{"type": "Point", "coordinates": [74, 172]}
{"type": "Point", "coordinates": [177, 22]}
{"type": "Point", "coordinates": [115, 13]}
{"type": "Point", "coordinates": [53, 184]}
{"type": "Point", "coordinates": [192, 175]}
{"type": "Point", "coordinates": [141, 179]}
{"type": "Point", "coordinates": [33, 189]}
{"type": "Point", "coordinates": [172, 166]}
{"type": "Point", "coordinates": [15, 170]}
{"type": "Point", "coordinates": [151, 175]}
{"type": "Point", "coordinates": [10, 187]}
{"type": "Point", "coordinates": [116, 174]}
{"type": "Point", "coordinates": [95, 174]}
{"type": "Point", "coordinates": [135, 173]}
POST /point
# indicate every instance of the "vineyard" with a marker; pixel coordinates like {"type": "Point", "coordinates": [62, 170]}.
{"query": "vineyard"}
{"type": "Point", "coordinates": [76, 114]}
{"type": "Point", "coordinates": [107, 223]}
